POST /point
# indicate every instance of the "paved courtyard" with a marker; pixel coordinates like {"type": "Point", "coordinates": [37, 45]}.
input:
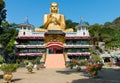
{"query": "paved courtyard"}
{"type": "Point", "coordinates": [106, 75]}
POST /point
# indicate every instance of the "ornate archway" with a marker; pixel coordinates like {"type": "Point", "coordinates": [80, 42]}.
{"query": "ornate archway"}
{"type": "Point", "coordinates": [54, 48]}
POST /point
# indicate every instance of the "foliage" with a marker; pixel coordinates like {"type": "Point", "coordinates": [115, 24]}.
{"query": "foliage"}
{"type": "Point", "coordinates": [7, 39]}
{"type": "Point", "coordinates": [108, 33]}
{"type": "Point", "coordinates": [96, 58]}
{"type": "Point", "coordinates": [29, 67]}
{"type": "Point", "coordinates": [8, 36]}
{"type": "Point", "coordinates": [2, 11]}
{"type": "Point", "coordinates": [117, 63]}
{"type": "Point", "coordinates": [110, 63]}
{"type": "Point", "coordinates": [2, 4]}
{"type": "Point", "coordinates": [17, 61]}
{"type": "Point", "coordinates": [76, 63]}
{"type": "Point", "coordinates": [95, 33]}
{"type": "Point", "coordinates": [82, 62]}
{"type": "Point", "coordinates": [93, 67]}
{"type": "Point", "coordinates": [1, 59]}
{"type": "Point", "coordinates": [78, 68]}
{"type": "Point", "coordinates": [2, 14]}
{"type": "Point", "coordinates": [37, 60]}
{"type": "Point", "coordinates": [116, 21]}
{"type": "Point", "coordinates": [71, 24]}
{"type": "Point", "coordinates": [112, 30]}
{"type": "Point", "coordinates": [73, 63]}
{"type": "Point", "coordinates": [40, 66]}
{"type": "Point", "coordinates": [9, 67]}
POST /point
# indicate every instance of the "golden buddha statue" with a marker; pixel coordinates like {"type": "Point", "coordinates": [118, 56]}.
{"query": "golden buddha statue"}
{"type": "Point", "coordinates": [54, 20]}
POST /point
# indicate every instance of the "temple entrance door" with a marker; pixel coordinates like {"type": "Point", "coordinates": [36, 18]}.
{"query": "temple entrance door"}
{"type": "Point", "coordinates": [54, 48]}
{"type": "Point", "coordinates": [59, 50]}
{"type": "Point", "coordinates": [54, 51]}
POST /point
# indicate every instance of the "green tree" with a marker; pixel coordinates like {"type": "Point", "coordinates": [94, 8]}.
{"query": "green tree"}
{"type": "Point", "coordinates": [110, 33]}
{"type": "Point", "coordinates": [71, 24]}
{"type": "Point", "coordinates": [95, 33]}
{"type": "Point", "coordinates": [105, 34]}
{"type": "Point", "coordinates": [116, 21]}
{"type": "Point", "coordinates": [2, 4]}
{"type": "Point", "coordinates": [1, 59]}
{"type": "Point", "coordinates": [7, 40]}
{"type": "Point", "coordinates": [2, 14]}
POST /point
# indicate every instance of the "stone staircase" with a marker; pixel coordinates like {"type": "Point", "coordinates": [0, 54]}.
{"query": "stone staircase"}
{"type": "Point", "coordinates": [55, 61]}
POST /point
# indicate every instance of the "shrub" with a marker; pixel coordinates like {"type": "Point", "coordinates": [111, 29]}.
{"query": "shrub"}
{"type": "Point", "coordinates": [96, 58]}
{"type": "Point", "coordinates": [110, 63]}
{"type": "Point", "coordinates": [117, 63]}
{"type": "Point", "coordinates": [93, 67]}
{"type": "Point", "coordinates": [9, 67]}
{"type": "Point", "coordinates": [1, 59]}
{"type": "Point", "coordinates": [82, 62]}
{"type": "Point", "coordinates": [29, 67]}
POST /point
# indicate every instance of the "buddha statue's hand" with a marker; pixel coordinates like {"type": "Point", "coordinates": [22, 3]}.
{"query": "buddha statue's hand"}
{"type": "Point", "coordinates": [54, 19]}
{"type": "Point", "coordinates": [49, 20]}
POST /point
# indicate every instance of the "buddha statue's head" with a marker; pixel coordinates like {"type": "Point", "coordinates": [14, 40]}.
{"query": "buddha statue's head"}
{"type": "Point", "coordinates": [54, 7]}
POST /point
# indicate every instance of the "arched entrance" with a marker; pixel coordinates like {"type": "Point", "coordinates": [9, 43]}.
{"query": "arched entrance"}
{"type": "Point", "coordinates": [54, 48]}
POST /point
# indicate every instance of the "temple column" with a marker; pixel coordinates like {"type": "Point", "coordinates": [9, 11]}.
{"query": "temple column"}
{"type": "Point", "coordinates": [47, 51]}
{"type": "Point", "coordinates": [54, 50]}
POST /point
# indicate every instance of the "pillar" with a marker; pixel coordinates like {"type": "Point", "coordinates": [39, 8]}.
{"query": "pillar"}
{"type": "Point", "coordinates": [54, 50]}
{"type": "Point", "coordinates": [47, 51]}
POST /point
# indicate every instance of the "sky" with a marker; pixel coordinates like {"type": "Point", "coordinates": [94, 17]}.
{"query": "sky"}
{"type": "Point", "coordinates": [92, 11]}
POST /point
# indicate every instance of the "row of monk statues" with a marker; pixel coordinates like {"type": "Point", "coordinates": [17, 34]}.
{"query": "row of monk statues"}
{"type": "Point", "coordinates": [54, 20]}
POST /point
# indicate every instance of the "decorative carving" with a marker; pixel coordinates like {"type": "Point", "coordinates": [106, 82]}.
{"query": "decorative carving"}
{"type": "Point", "coordinates": [54, 38]}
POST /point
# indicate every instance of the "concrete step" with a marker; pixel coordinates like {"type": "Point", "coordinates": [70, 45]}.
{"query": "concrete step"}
{"type": "Point", "coordinates": [55, 61]}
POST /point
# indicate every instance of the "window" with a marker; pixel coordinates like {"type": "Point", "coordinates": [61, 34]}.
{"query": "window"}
{"type": "Point", "coordinates": [83, 28]}
{"type": "Point", "coordinates": [24, 27]}
{"type": "Point", "coordinates": [83, 33]}
{"type": "Point", "coordinates": [25, 51]}
{"type": "Point", "coordinates": [23, 33]}
{"type": "Point", "coordinates": [28, 28]}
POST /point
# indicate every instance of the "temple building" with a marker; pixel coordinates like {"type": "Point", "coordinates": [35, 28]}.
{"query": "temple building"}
{"type": "Point", "coordinates": [54, 44]}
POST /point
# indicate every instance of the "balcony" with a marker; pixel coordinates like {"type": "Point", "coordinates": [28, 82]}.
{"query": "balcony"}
{"type": "Point", "coordinates": [33, 36]}
{"type": "Point", "coordinates": [38, 34]}
{"type": "Point", "coordinates": [78, 46]}
{"type": "Point", "coordinates": [78, 37]}
{"type": "Point", "coordinates": [30, 46]}
{"type": "Point", "coordinates": [29, 54]}
{"type": "Point", "coordinates": [79, 54]}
